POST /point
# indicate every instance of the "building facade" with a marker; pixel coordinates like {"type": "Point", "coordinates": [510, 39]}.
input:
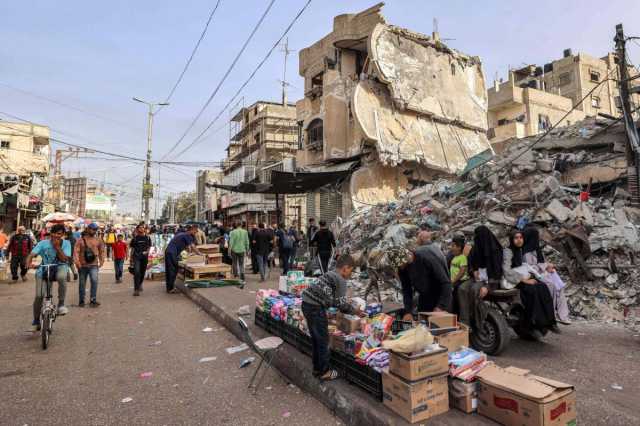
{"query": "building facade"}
{"type": "Point", "coordinates": [264, 137]}
{"type": "Point", "coordinates": [88, 200]}
{"type": "Point", "coordinates": [24, 169]}
{"type": "Point", "coordinates": [207, 198]}
{"type": "Point", "coordinates": [536, 97]}
{"type": "Point", "coordinates": [399, 106]}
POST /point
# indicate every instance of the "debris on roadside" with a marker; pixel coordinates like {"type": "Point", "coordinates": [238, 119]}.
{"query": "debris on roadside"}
{"type": "Point", "coordinates": [571, 184]}
{"type": "Point", "coordinates": [247, 361]}
{"type": "Point", "coordinates": [235, 349]}
{"type": "Point", "coordinates": [208, 359]}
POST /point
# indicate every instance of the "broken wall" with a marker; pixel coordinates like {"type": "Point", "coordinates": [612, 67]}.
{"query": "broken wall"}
{"type": "Point", "coordinates": [425, 76]}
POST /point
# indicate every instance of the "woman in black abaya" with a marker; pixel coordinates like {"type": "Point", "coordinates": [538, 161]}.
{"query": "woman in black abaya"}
{"type": "Point", "coordinates": [534, 294]}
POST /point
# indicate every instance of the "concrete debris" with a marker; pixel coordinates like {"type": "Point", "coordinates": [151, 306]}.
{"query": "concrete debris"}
{"type": "Point", "coordinates": [591, 233]}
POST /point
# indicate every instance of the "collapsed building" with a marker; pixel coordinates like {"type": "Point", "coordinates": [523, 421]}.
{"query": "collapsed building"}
{"type": "Point", "coordinates": [397, 107]}
{"type": "Point", "coordinates": [571, 184]}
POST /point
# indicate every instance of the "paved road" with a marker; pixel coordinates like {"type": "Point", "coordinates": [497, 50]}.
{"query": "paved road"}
{"type": "Point", "coordinates": [97, 355]}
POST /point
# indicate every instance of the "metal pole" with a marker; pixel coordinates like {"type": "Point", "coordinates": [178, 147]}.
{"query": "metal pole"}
{"type": "Point", "coordinates": [147, 178]}
{"type": "Point", "coordinates": [157, 197]}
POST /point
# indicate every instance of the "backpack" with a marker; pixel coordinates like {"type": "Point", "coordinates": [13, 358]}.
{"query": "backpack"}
{"type": "Point", "coordinates": [288, 241]}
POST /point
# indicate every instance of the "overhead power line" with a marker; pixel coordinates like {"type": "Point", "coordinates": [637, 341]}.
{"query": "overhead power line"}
{"type": "Point", "coordinates": [255, 71]}
{"type": "Point", "coordinates": [71, 107]}
{"type": "Point", "coordinates": [193, 53]}
{"type": "Point", "coordinates": [224, 77]}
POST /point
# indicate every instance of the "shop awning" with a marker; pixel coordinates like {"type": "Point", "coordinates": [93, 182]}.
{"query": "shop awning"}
{"type": "Point", "coordinates": [289, 182]}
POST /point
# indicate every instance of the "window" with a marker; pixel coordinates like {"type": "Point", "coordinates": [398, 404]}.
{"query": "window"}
{"type": "Point", "coordinates": [543, 122]}
{"type": "Point", "coordinates": [565, 79]}
{"type": "Point", "coordinates": [5, 144]}
{"type": "Point", "coordinates": [618, 102]}
{"type": "Point", "coordinates": [595, 76]}
{"type": "Point", "coordinates": [315, 133]}
{"type": "Point", "coordinates": [595, 102]}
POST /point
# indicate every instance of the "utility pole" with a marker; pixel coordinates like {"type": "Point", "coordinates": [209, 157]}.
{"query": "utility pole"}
{"type": "Point", "coordinates": [147, 187]}
{"type": "Point", "coordinates": [157, 197]}
{"type": "Point", "coordinates": [287, 52]}
{"type": "Point", "coordinates": [633, 160]}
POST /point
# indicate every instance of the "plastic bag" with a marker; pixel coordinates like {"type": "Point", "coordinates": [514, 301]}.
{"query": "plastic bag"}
{"type": "Point", "coordinates": [413, 340]}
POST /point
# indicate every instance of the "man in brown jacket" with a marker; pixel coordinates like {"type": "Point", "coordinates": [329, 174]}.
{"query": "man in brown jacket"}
{"type": "Point", "coordinates": [88, 255]}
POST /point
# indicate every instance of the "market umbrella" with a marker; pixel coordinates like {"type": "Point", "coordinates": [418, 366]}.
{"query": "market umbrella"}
{"type": "Point", "coordinates": [59, 217]}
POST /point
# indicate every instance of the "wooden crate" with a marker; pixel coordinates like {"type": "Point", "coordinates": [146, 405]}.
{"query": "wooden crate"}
{"type": "Point", "coordinates": [205, 271]}
{"type": "Point", "coordinates": [214, 258]}
{"type": "Point", "coordinates": [208, 248]}
{"type": "Point", "coordinates": [157, 276]}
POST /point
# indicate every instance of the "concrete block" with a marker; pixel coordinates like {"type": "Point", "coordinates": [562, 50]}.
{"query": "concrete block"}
{"type": "Point", "coordinates": [558, 210]}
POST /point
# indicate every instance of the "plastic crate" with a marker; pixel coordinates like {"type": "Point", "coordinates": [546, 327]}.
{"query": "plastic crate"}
{"type": "Point", "coordinates": [360, 375]}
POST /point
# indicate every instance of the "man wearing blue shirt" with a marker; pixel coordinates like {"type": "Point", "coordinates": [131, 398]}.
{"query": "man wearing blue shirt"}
{"type": "Point", "coordinates": [52, 251]}
{"type": "Point", "coordinates": [182, 241]}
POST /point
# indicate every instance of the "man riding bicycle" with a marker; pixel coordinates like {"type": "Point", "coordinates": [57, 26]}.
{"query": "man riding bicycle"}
{"type": "Point", "coordinates": [53, 251]}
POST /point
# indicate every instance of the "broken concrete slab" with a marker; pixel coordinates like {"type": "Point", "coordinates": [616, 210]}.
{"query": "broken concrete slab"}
{"type": "Point", "coordinates": [556, 209]}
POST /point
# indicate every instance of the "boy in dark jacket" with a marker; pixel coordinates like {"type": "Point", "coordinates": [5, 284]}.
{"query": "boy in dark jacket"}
{"type": "Point", "coordinates": [329, 291]}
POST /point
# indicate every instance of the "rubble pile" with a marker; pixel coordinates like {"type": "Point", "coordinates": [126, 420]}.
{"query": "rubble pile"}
{"type": "Point", "coordinates": [586, 221]}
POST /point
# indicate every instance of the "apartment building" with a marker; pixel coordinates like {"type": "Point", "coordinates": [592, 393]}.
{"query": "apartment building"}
{"type": "Point", "coordinates": [536, 97]}
{"type": "Point", "coordinates": [397, 106]}
{"type": "Point", "coordinates": [207, 198]}
{"type": "Point", "coordinates": [264, 137]}
{"type": "Point", "coordinates": [24, 169]}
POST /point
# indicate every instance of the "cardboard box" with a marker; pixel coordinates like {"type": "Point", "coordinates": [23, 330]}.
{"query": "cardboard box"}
{"type": "Point", "coordinates": [346, 325]}
{"type": "Point", "coordinates": [419, 366]}
{"type": "Point", "coordinates": [438, 319]}
{"type": "Point", "coordinates": [512, 396]}
{"type": "Point", "coordinates": [336, 342]}
{"type": "Point", "coordinates": [416, 401]}
{"type": "Point", "coordinates": [463, 395]}
{"type": "Point", "coordinates": [453, 340]}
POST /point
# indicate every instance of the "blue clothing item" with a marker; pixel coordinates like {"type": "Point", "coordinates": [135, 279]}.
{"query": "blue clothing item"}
{"type": "Point", "coordinates": [92, 273]}
{"type": "Point", "coordinates": [77, 235]}
{"type": "Point", "coordinates": [45, 250]}
{"type": "Point", "coordinates": [118, 265]}
{"type": "Point", "coordinates": [180, 242]}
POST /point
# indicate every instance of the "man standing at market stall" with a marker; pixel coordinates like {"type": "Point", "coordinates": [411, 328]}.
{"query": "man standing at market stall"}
{"type": "Point", "coordinates": [429, 276]}
{"type": "Point", "coordinates": [182, 241]}
{"type": "Point", "coordinates": [329, 291]}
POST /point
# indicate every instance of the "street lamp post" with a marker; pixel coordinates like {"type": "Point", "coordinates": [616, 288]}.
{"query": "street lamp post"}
{"type": "Point", "coordinates": [147, 191]}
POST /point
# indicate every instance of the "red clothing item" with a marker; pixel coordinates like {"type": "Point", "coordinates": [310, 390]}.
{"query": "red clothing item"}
{"type": "Point", "coordinates": [119, 250]}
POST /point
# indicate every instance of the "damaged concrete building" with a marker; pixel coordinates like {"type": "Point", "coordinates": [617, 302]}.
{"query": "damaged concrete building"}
{"type": "Point", "coordinates": [536, 97]}
{"type": "Point", "coordinates": [399, 107]}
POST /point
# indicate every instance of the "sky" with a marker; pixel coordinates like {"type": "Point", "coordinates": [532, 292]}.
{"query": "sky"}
{"type": "Point", "coordinates": [75, 65]}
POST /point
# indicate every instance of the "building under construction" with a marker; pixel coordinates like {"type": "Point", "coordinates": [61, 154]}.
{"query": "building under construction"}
{"type": "Point", "coordinates": [264, 137]}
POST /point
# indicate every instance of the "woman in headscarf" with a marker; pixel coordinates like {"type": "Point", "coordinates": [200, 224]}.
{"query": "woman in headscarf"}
{"type": "Point", "coordinates": [485, 265]}
{"type": "Point", "coordinates": [534, 294]}
{"type": "Point", "coordinates": [485, 259]}
{"type": "Point", "coordinates": [535, 258]}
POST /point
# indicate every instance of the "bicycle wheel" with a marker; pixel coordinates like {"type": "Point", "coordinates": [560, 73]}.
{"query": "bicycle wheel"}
{"type": "Point", "coordinates": [44, 329]}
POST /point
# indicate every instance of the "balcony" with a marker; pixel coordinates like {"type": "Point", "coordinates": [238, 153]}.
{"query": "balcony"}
{"type": "Point", "coordinates": [510, 130]}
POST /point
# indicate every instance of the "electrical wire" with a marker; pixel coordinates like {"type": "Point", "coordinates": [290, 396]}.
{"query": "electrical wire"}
{"type": "Point", "coordinates": [540, 138]}
{"type": "Point", "coordinates": [71, 107]}
{"type": "Point", "coordinates": [224, 77]}
{"type": "Point", "coordinates": [193, 53]}
{"type": "Point", "coordinates": [275, 45]}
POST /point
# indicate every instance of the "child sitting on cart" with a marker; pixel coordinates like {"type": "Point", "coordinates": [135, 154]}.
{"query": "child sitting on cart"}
{"type": "Point", "coordinates": [329, 291]}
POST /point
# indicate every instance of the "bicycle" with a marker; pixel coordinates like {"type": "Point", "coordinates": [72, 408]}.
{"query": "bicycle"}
{"type": "Point", "coordinates": [49, 311]}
